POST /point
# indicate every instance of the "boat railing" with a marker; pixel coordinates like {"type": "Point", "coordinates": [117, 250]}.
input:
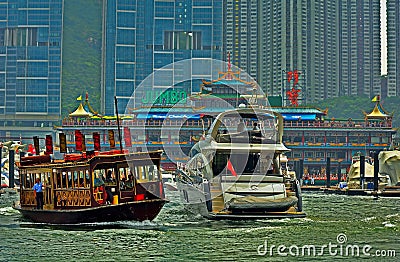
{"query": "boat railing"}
{"type": "Point", "coordinates": [62, 197]}
{"type": "Point", "coordinates": [251, 136]}
{"type": "Point", "coordinates": [207, 122]}
{"type": "Point", "coordinates": [338, 124]}
{"type": "Point", "coordinates": [28, 197]}
{"type": "Point", "coordinates": [72, 197]}
{"type": "Point", "coordinates": [136, 122]}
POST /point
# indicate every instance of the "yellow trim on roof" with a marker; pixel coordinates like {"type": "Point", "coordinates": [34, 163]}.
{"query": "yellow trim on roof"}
{"type": "Point", "coordinates": [80, 112]}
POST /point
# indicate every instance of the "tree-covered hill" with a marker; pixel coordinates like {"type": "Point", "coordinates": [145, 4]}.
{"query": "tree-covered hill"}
{"type": "Point", "coordinates": [353, 106]}
{"type": "Point", "coordinates": [81, 53]}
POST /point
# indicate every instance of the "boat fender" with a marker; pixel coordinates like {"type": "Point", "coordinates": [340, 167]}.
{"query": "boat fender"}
{"type": "Point", "coordinates": [299, 197]}
{"type": "Point", "coordinates": [207, 193]}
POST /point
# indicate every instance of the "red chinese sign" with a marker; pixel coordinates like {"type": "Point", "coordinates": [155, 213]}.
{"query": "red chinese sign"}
{"type": "Point", "coordinates": [293, 94]}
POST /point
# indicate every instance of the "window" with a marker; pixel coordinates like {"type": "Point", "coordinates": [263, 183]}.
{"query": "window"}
{"type": "Point", "coordinates": [181, 40]}
{"type": "Point", "coordinates": [309, 154]}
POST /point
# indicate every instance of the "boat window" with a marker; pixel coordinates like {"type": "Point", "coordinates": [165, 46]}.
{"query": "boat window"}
{"type": "Point", "coordinates": [87, 178]}
{"type": "Point", "coordinates": [133, 171]}
{"type": "Point", "coordinates": [82, 180]}
{"type": "Point", "coordinates": [25, 180]}
{"type": "Point", "coordinates": [57, 180]}
{"type": "Point", "coordinates": [98, 178]}
{"type": "Point", "coordinates": [142, 172]}
{"type": "Point", "coordinates": [29, 180]}
{"type": "Point", "coordinates": [123, 173]}
{"type": "Point", "coordinates": [251, 163]}
{"type": "Point", "coordinates": [123, 177]}
{"type": "Point", "coordinates": [110, 177]}
{"type": "Point", "coordinates": [219, 163]}
{"type": "Point", "coordinates": [147, 173]}
{"type": "Point", "coordinates": [70, 181]}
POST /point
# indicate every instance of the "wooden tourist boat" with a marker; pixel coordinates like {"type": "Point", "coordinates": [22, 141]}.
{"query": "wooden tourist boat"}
{"type": "Point", "coordinates": [235, 172]}
{"type": "Point", "coordinates": [105, 187]}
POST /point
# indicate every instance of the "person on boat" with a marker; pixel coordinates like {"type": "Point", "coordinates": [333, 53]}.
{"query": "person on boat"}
{"type": "Point", "coordinates": [255, 126]}
{"type": "Point", "coordinates": [130, 182]}
{"type": "Point", "coordinates": [38, 189]}
{"type": "Point", "coordinates": [110, 178]}
{"type": "Point", "coordinates": [122, 183]}
{"type": "Point", "coordinates": [241, 127]}
{"type": "Point", "coordinates": [98, 181]}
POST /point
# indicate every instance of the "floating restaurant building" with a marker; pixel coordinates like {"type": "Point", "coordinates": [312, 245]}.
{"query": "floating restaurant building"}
{"type": "Point", "coordinates": [175, 127]}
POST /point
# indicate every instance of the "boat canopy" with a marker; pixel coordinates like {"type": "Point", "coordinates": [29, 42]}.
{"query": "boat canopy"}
{"type": "Point", "coordinates": [167, 116]}
{"type": "Point", "coordinates": [298, 117]}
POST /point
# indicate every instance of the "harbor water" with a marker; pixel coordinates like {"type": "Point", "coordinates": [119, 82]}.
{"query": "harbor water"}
{"type": "Point", "coordinates": [336, 227]}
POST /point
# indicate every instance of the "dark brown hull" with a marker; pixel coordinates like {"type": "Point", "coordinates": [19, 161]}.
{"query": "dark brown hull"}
{"type": "Point", "coordinates": [136, 211]}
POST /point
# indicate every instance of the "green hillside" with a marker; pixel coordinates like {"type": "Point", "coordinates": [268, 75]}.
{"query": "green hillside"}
{"type": "Point", "coordinates": [81, 53]}
{"type": "Point", "coordinates": [353, 106]}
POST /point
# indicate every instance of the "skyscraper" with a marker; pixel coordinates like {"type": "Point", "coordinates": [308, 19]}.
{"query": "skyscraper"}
{"type": "Point", "coordinates": [335, 45]}
{"type": "Point", "coordinates": [30, 65]}
{"type": "Point", "coordinates": [140, 37]}
{"type": "Point", "coordinates": [241, 34]}
{"type": "Point", "coordinates": [283, 40]}
{"type": "Point", "coordinates": [393, 44]}
{"type": "Point", "coordinates": [360, 63]}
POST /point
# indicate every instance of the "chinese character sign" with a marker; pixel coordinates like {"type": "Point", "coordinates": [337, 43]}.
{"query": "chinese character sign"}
{"type": "Point", "coordinates": [293, 94]}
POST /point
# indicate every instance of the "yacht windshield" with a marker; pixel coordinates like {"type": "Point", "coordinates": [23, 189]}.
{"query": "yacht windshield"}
{"type": "Point", "coordinates": [259, 128]}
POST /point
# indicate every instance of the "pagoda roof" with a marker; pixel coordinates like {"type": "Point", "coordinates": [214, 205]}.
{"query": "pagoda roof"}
{"type": "Point", "coordinates": [80, 112]}
{"type": "Point", "coordinates": [230, 82]}
{"type": "Point", "coordinates": [378, 112]}
{"type": "Point", "coordinates": [229, 78]}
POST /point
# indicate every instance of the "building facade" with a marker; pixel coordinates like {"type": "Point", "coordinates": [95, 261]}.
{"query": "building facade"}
{"type": "Point", "coordinates": [242, 34]}
{"type": "Point", "coordinates": [335, 46]}
{"type": "Point", "coordinates": [393, 45]}
{"type": "Point", "coordinates": [360, 63]}
{"type": "Point", "coordinates": [140, 37]}
{"type": "Point", "coordinates": [30, 66]}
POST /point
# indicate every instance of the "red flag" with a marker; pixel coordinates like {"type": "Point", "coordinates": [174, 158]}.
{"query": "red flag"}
{"type": "Point", "coordinates": [96, 141]}
{"type": "Point", "coordinates": [49, 145]}
{"type": "Point", "coordinates": [127, 137]}
{"type": "Point", "coordinates": [78, 140]}
{"type": "Point", "coordinates": [83, 143]}
{"type": "Point", "coordinates": [31, 149]}
{"type": "Point", "coordinates": [230, 168]}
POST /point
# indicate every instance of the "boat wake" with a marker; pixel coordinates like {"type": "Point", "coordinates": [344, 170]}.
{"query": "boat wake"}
{"type": "Point", "coordinates": [7, 211]}
{"type": "Point", "coordinates": [388, 224]}
{"type": "Point", "coordinates": [145, 225]}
